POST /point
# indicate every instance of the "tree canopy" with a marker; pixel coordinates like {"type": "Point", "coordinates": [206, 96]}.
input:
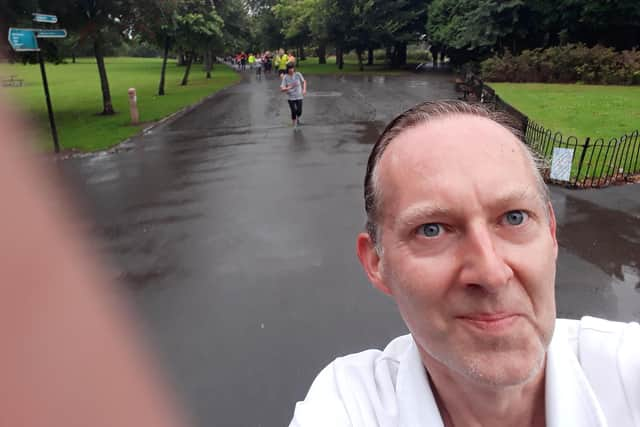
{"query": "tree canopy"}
{"type": "Point", "coordinates": [462, 29]}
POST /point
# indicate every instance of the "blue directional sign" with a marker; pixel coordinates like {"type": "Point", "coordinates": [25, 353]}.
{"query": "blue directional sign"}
{"type": "Point", "coordinates": [51, 34]}
{"type": "Point", "coordinates": [23, 39]}
{"type": "Point", "coordinates": [47, 19]}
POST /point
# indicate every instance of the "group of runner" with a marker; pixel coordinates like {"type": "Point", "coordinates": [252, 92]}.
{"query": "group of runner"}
{"type": "Point", "coordinates": [263, 61]}
{"type": "Point", "coordinates": [292, 82]}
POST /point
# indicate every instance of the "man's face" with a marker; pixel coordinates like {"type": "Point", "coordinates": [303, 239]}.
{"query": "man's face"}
{"type": "Point", "coordinates": [468, 249]}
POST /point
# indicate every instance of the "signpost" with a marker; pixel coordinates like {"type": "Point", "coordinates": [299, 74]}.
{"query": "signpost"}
{"type": "Point", "coordinates": [26, 40]}
{"type": "Point", "coordinates": [51, 34]}
{"type": "Point", "coordinates": [46, 19]}
{"type": "Point", "coordinates": [23, 40]}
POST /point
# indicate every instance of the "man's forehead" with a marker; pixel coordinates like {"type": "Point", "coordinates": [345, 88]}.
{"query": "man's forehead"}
{"type": "Point", "coordinates": [458, 149]}
{"type": "Point", "coordinates": [461, 136]}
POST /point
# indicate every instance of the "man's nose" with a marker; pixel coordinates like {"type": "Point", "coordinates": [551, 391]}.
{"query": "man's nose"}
{"type": "Point", "coordinates": [484, 263]}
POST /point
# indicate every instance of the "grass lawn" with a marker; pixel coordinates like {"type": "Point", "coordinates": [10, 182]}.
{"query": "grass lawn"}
{"type": "Point", "coordinates": [311, 66]}
{"type": "Point", "coordinates": [574, 109]}
{"type": "Point", "coordinates": [584, 111]}
{"type": "Point", "coordinates": [77, 98]}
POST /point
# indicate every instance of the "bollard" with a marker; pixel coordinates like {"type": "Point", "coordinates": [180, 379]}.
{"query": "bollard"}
{"type": "Point", "coordinates": [133, 106]}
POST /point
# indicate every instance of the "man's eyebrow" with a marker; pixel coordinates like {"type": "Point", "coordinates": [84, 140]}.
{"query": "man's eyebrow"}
{"type": "Point", "coordinates": [515, 196]}
{"type": "Point", "coordinates": [414, 215]}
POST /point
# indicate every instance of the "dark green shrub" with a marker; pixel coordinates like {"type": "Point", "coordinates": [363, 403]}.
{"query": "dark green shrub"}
{"type": "Point", "coordinates": [563, 64]}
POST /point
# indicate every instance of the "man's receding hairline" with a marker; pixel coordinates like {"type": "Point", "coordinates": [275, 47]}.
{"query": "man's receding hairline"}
{"type": "Point", "coordinates": [423, 115]}
{"type": "Point", "coordinates": [431, 121]}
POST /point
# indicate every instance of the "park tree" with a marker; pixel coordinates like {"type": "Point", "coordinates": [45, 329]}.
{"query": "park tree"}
{"type": "Point", "coordinates": [474, 29]}
{"type": "Point", "coordinates": [368, 28]}
{"type": "Point", "coordinates": [401, 22]}
{"type": "Point", "coordinates": [302, 22]}
{"type": "Point", "coordinates": [16, 13]}
{"type": "Point", "coordinates": [268, 30]}
{"type": "Point", "coordinates": [237, 32]}
{"type": "Point", "coordinates": [296, 17]}
{"type": "Point", "coordinates": [338, 25]}
{"type": "Point", "coordinates": [496, 25]}
{"type": "Point", "coordinates": [155, 22]}
{"type": "Point", "coordinates": [611, 23]}
{"type": "Point", "coordinates": [198, 26]}
{"type": "Point", "coordinates": [362, 25]}
{"type": "Point", "coordinates": [319, 26]}
{"type": "Point", "coordinates": [99, 21]}
{"type": "Point", "coordinates": [268, 27]}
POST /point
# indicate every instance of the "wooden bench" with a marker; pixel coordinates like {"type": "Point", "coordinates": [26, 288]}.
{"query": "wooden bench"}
{"type": "Point", "coordinates": [12, 81]}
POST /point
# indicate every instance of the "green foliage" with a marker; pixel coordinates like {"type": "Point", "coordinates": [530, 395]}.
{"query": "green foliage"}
{"type": "Point", "coordinates": [296, 17]}
{"type": "Point", "coordinates": [154, 20]}
{"type": "Point", "coordinates": [569, 63]}
{"type": "Point", "coordinates": [351, 24]}
{"type": "Point", "coordinates": [197, 25]}
{"type": "Point", "coordinates": [236, 33]}
{"type": "Point", "coordinates": [139, 49]}
{"type": "Point", "coordinates": [476, 29]}
{"type": "Point", "coordinates": [268, 30]}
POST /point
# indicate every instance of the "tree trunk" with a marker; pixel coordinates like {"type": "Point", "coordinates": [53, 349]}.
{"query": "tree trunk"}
{"type": "Point", "coordinates": [302, 56]}
{"type": "Point", "coordinates": [434, 56]}
{"type": "Point", "coordinates": [400, 54]}
{"type": "Point", "coordinates": [389, 55]}
{"type": "Point", "coordinates": [322, 53]}
{"type": "Point", "coordinates": [360, 63]}
{"type": "Point", "coordinates": [339, 57]}
{"type": "Point", "coordinates": [104, 82]}
{"type": "Point", "coordinates": [208, 60]}
{"type": "Point", "coordinates": [370, 56]}
{"type": "Point", "coordinates": [73, 56]}
{"type": "Point", "coordinates": [441, 56]}
{"type": "Point", "coordinates": [181, 58]}
{"type": "Point", "coordinates": [165, 56]}
{"type": "Point", "coordinates": [185, 79]}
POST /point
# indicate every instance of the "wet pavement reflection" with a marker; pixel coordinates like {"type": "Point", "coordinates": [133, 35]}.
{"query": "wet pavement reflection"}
{"type": "Point", "coordinates": [599, 262]}
{"type": "Point", "coordinates": [235, 234]}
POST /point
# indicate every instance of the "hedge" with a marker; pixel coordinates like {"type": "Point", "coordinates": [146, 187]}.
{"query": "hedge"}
{"type": "Point", "coordinates": [566, 64]}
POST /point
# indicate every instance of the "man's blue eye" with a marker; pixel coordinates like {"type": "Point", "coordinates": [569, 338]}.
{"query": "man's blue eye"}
{"type": "Point", "coordinates": [431, 230]}
{"type": "Point", "coordinates": [515, 217]}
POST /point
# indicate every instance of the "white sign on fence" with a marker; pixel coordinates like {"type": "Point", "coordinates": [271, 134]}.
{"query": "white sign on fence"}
{"type": "Point", "coordinates": [561, 164]}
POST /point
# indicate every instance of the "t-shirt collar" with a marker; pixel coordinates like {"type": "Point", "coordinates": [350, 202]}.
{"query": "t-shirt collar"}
{"type": "Point", "coordinates": [570, 401]}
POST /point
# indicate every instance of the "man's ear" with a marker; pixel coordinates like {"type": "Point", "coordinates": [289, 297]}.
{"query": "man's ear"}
{"type": "Point", "coordinates": [553, 229]}
{"type": "Point", "coordinates": [371, 262]}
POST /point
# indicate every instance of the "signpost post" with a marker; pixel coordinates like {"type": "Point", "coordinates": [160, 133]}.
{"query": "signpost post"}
{"type": "Point", "coordinates": [52, 122]}
{"type": "Point", "coordinates": [26, 40]}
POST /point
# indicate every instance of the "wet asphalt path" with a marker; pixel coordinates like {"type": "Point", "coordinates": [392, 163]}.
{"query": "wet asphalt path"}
{"type": "Point", "coordinates": [236, 236]}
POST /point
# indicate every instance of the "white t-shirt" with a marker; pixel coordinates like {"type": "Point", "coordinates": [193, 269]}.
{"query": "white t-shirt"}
{"type": "Point", "coordinates": [592, 380]}
{"type": "Point", "coordinates": [296, 83]}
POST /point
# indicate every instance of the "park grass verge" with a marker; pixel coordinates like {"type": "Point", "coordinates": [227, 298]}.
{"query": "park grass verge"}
{"type": "Point", "coordinates": [576, 109]}
{"type": "Point", "coordinates": [77, 98]}
{"type": "Point", "coordinates": [601, 113]}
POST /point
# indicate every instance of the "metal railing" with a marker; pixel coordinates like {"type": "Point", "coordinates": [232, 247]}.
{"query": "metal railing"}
{"type": "Point", "coordinates": [595, 162]}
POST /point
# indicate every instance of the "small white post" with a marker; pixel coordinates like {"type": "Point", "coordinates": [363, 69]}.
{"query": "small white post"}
{"type": "Point", "coordinates": [133, 106]}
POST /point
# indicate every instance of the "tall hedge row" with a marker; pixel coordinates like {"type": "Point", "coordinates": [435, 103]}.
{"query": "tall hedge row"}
{"type": "Point", "coordinates": [566, 64]}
